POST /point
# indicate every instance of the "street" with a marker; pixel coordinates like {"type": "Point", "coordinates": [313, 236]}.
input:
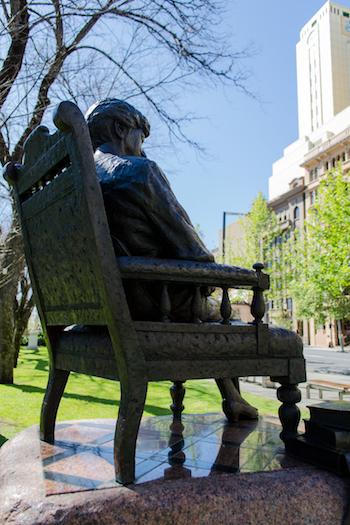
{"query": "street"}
{"type": "Point", "coordinates": [327, 361]}
{"type": "Point", "coordinates": [321, 363]}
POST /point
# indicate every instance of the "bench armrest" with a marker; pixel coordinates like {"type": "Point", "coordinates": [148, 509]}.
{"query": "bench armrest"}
{"type": "Point", "coordinates": [191, 272]}
{"type": "Point", "coordinates": [198, 274]}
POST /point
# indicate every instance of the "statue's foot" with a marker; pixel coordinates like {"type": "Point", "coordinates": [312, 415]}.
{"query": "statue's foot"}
{"type": "Point", "coordinates": [235, 410]}
{"type": "Point", "coordinates": [233, 404]}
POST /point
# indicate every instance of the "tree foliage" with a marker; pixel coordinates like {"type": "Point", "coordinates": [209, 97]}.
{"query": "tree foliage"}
{"type": "Point", "coordinates": [269, 243]}
{"type": "Point", "coordinates": [258, 227]}
{"type": "Point", "coordinates": [311, 265]}
{"type": "Point", "coordinates": [264, 241]}
{"type": "Point", "coordinates": [321, 278]}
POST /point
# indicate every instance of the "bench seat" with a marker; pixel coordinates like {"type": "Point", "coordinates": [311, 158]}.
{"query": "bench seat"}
{"type": "Point", "coordinates": [88, 349]}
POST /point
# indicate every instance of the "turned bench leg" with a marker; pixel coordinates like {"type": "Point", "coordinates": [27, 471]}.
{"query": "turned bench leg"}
{"type": "Point", "coordinates": [288, 412]}
{"type": "Point", "coordinates": [177, 392]}
{"type": "Point", "coordinates": [53, 395]}
{"type": "Point", "coordinates": [132, 402]}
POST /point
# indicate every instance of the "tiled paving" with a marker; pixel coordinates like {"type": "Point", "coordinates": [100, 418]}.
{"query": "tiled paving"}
{"type": "Point", "coordinates": [202, 445]}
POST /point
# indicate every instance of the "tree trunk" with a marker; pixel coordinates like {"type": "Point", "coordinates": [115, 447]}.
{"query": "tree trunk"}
{"type": "Point", "coordinates": [340, 335]}
{"type": "Point", "coordinates": [7, 349]}
{"type": "Point", "coordinates": [12, 266]}
{"type": "Point", "coordinates": [22, 314]}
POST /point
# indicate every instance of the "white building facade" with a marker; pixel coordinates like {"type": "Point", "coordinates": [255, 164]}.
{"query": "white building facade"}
{"type": "Point", "coordinates": [323, 79]}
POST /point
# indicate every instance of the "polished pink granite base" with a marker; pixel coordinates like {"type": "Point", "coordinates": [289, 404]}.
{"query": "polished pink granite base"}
{"type": "Point", "coordinates": [203, 472]}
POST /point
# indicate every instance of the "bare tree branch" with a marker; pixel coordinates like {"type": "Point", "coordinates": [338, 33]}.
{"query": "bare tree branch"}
{"type": "Point", "coordinates": [89, 25]}
{"type": "Point", "coordinates": [59, 25]}
{"type": "Point", "coordinates": [62, 52]}
{"type": "Point", "coordinates": [7, 14]}
{"type": "Point", "coordinates": [4, 151]}
{"type": "Point", "coordinates": [18, 31]}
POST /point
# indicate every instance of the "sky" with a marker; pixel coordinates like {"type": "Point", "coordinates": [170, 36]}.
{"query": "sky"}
{"type": "Point", "coordinates": [242, 136]}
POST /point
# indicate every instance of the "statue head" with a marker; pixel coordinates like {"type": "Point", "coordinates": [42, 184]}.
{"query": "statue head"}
{"type": "Point", "coordinates": [113, 120]}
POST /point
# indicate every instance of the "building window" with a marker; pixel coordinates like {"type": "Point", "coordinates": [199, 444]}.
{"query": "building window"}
{"type": "Point", "coordinates": [326, 165]}
{"type": "Point", "coordinates": [296, 216]}
{"type": "Point", "coordinates": [346, 14]}
{"type": "Point", "coordinates": [312, 197]}
{"type": "Point", "coordinates": [343, 156]}
{"type": "Point", "coordinates": [289, 302]}
{"type": "Point", "coordinates": [314, 174]}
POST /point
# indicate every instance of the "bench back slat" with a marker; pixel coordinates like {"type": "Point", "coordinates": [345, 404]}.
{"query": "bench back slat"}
{"type": "Point", "coordinates": [45, 156]}
{"type": "Point", "coordinates": [58, 238]}
{"type": "Point", "coordinates": [63, 253]}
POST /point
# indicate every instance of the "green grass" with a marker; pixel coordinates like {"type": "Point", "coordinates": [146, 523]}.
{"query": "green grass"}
{"type": "Point", "coordinates": [91, 397]}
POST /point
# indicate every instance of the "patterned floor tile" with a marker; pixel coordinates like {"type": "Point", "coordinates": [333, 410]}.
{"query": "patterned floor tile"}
{"type": "Point", "coordinates": [82, 457]}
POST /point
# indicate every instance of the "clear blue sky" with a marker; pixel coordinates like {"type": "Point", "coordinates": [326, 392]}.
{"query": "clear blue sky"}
{"type": "Point", "coordinates": [242, 137]}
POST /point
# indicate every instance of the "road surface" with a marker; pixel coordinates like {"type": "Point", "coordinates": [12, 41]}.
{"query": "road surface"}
{"type": "Point", "coordinates": [322, 361]}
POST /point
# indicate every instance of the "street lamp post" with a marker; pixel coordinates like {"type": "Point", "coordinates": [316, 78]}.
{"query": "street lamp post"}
{"type": "Point", "coordinates": [224, 229]}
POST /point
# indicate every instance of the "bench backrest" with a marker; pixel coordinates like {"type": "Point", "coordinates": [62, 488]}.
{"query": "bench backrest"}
{"type": "Point", "coordinates": [68, 248]}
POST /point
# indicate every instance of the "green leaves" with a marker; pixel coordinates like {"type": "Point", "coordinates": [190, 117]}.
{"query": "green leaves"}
{"type": "Point", "coordinates": [310, 265]}
{"type": "Point", "coordinates": [264, 241]}
{"type": "Point", "coordinates": [323, 265]}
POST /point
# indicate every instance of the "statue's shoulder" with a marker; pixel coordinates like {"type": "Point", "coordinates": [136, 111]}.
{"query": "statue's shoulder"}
{"type": "Point", "coordinates": [148, 172]}
{"type": "Point", "coordinates": [141, 168]}
{"type": "Point", "coordinates": [112, 162]}
{"type": "Point", "coordinates": [142, 164]}
{"type": "Point", "coordinates": [137, 169]}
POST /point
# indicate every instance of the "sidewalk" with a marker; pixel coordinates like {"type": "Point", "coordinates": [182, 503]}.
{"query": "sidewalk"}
{"type": "Point", "coordinates": [329, 349]}
{"type": "Point", "coordinates": [259, 390]}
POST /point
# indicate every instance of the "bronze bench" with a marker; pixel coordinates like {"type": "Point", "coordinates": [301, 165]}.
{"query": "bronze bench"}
{"type": "Point", "coordinates": [77, 280]}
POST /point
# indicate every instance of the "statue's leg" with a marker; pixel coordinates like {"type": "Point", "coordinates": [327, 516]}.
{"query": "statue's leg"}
{"type": "Point", "coordinates": [288, 412]}
{"type": "Point", "coordinates": [236, 384]}
{"type": "Point", "coordinates": [132, 402]}
{"type": "Point", "coordinates": [233, 405]}
{"type": "Point", "coordinates": [54, 392]}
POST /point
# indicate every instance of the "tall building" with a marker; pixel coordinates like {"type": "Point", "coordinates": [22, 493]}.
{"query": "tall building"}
{"type": "Point", "coordinates": [323, 72]}
{"type": "Point", "coordinates": [323, 79]}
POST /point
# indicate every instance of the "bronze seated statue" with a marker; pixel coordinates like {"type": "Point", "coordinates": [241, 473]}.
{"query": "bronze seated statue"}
{"type": "Point", "coordinates": [120, 276]}
{"type": "Point", "coordinates": [144, 216]}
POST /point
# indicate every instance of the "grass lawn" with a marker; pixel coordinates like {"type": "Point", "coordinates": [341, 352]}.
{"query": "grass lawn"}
{"type": "Point", "coordinates": [91, 397]}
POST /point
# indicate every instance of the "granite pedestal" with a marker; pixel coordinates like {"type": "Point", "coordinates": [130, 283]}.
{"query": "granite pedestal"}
{"type": "Point", "coordinates": [201, 472]}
